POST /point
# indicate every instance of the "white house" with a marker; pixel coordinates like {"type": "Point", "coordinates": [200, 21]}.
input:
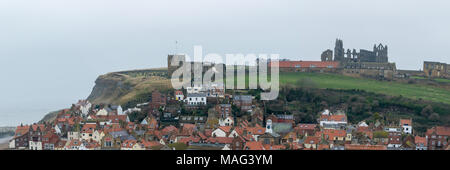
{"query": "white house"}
{"type": "Point", "coordinates": [144, 122]}
{"type": "Point", "coordinates": [406, 125]}
{"type": "Point", "coordinates": [84, 108]}
{"type": "Point", "coordinates": [179, 96]}
{"type": "Point", "coordinates": [226, 147]}
{"type": "Point", "coordinates": [57, 130]}
{"type": "Point", "coordinates": [226, 122]}
{"type": "Point", "coordinates": [332, 121]}
{"type": "Point", "coordinates": [12, 143]}
{"type": "Point", "coordinates": [120, 110]}
{"type": "Point", "coordinates": [98, 135]}
{"type": "Point", "coordinates": [393, 129]}
{"type": "Point", "coordinates": [73, 135]}
{"type": "Point", "coordinates": [130, 110]}
{"type": "Point", "coordinates": [196, 99]}
{"type": "Point", "coordinates": [362, 124]}
{"type": "Point", "coordinates": [222, 131]}
{"type": "Point", "coordinates": [102, 112]}
{"type": "Point", "coordinates": [35, 145]}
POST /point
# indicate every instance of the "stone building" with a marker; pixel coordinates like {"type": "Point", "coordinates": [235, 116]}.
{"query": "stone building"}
{"type": "Point", "coordinates": [365, 63]}
{"type": "Point", "coordinates": [436, 69]}
{"type": "Point", "coordinates": [339, 51]}
{"type": "Point", "coordinates": [308, 66]}
{"type": "Point", "coordinates": [327, 55]}
{"type": "Point", "coordinates": [370, 69]}
{"type": "Point", "coordinates": [378, 55]}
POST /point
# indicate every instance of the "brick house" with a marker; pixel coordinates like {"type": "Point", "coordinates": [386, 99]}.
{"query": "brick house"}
{"type": "Point", "coordinates": [438, 137]}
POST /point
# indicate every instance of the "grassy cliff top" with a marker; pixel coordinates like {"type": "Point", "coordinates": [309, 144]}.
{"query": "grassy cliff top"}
{"type": "Point", "coordinates": [392, 88]}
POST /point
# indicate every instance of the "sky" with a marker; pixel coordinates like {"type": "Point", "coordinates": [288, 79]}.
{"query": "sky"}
{"type": "Point", "coordinates": [51, 51]}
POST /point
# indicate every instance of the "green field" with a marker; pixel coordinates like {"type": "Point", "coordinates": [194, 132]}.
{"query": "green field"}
{"type": "Point", "coordinates": [333, 81]}
{"type": "Point", "coordinates": [441, 80]}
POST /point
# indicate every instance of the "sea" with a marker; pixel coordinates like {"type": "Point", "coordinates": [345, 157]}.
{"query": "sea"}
{"type": "Point", "coordinates": [5, 139]}
{"type": "Point", "coordinates": [14, 117]}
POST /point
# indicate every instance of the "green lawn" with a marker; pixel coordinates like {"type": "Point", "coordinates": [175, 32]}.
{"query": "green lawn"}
{"type": "Point", "coordinates": [442, 80]}
{"type": "Point", "coordinates": [389, 88]}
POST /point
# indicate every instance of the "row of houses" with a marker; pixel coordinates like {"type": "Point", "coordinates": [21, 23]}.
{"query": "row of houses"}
{"type": "Point", "coordinates": [108, 127]}
{"type": "Point", "coordinates": [333, 132]}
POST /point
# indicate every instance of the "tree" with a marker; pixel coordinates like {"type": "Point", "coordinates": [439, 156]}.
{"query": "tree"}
{"type": "Point", "coordinates": [434, 117]}
{"type": "Point", "coordinates": [427, 111]}
{"type": "Point", "coordinates": [178, 146]}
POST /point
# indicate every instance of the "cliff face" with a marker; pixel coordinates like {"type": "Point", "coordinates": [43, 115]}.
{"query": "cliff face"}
{"type": "Point", "coordinates": [121, 87]}
{"type": "Point", "coordinates": [110, 87]}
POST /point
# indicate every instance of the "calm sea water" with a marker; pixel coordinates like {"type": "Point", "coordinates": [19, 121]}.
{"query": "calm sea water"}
{"type": "Point", "coordinates": [5, 139]}
{"type": "Point", "coordinates": [13, 117]}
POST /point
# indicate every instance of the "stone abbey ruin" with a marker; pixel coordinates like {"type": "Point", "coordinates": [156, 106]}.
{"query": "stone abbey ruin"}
{"type": "Point", "coordinates": [365, 63]}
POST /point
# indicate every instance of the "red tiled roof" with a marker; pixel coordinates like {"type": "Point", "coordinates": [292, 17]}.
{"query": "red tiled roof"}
{"type": "Point", "coordinates": [74, 142]}
{"type": "Point", "coordinates": [92, 144]}
{"type": "Point", "coordinates": [364, 147]}
{"type": "Point", "coordinates": [128, 143]}
{"type": "Point", "coordinates": [439, 130]}
{"type": "Point", "coordinates": [35, 126]}
{"type": "Point", "coordinates": [203, 136]}
{"type": "Point", "coordinates": [178, 92]}
{"type": "Point", "coordinates": [88, 128]}
{"type": "Point", "coordinates": [149, 144]}
{"type": "Point", "coordinates": [323, 147]}
{"type": "Point", "coordinates": [306, 126]}
{"type": "Point", "coordinates": [254, 146]}
{"type": "Point", "coordinates": [169, 129]}
{"type": "Point", "coordinates": [189, 139]}
{"type": "Point", "coordinates": [405, 122]}
{"type": "Point", "coordinates": [419, 139]}
{"type": "Point", "coordinates": [208, 132]}
{"type": "Point", "coordinates": [306, 64]}
{"type": "Point", "coordinates": [21, 130]}
{"type": "Point", "coordinates": [222, 140]}
{"type": "Point", "coordinates": [225, 128]}
{"type": "Point", "coordinates": [256, 130]}
{"type": "Point", "coordinates": [331, 133]}
{"type": "Point", "coordinates": [312, 140]}
{"type": "Point", "coordinates": [333, 117]}
{"type": "Point", "coordinates": [274, 147]}
{"type": "Point", "coordinates": [443, 131]}
{"type": "Point", "coordinates": [296, 146]}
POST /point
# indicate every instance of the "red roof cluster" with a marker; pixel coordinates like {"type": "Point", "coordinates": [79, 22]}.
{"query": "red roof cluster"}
{"type": "Point", "coordinates": [307, 64]}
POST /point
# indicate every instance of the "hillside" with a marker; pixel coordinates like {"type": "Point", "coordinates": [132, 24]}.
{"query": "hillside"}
{"type": "Point", "coordinates": [391, 88]}
{"type": "Point", "coordinates": [121, 87]}
{"type": "Point", "coordinates": [49, 117]}
{"type": "Point", "coordinates": [363, 98]}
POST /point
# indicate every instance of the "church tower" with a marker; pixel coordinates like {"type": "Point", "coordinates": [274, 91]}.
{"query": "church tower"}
{"type": "Point", "coordinates": [339, 51]}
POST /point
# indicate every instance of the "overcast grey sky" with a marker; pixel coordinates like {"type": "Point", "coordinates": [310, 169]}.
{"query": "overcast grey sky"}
{"type": "Point", "coordinates": [51, 51]}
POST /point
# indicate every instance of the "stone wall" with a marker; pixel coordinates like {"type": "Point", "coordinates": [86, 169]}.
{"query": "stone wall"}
{"type": "Point", "coordinates": [436, 69]}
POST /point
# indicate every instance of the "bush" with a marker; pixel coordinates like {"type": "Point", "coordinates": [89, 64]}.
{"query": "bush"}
{"type": "Point", "coordinates": [178, 146]}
